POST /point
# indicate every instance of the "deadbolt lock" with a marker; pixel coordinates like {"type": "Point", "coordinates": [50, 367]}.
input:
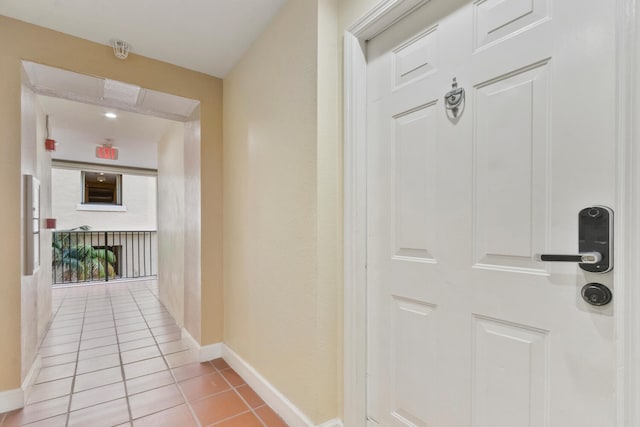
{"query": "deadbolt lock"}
{"type": "Point", "coordinates": [596, 294]}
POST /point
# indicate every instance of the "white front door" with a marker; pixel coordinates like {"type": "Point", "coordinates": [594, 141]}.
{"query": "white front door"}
{"type": "Point", "coordinates": [465, 327]}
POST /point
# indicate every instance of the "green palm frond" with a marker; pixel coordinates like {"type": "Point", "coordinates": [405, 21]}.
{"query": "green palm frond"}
{"type": "Point", "coordinates": [75, 259]}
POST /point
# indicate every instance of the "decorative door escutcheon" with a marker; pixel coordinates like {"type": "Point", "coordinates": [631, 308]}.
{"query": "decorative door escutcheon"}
{"type": "Point", "coordinates": [454, 98]}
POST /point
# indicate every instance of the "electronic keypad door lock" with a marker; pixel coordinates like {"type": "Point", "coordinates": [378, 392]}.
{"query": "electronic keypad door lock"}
{"type": "Point", "coordinates": [595, 241]}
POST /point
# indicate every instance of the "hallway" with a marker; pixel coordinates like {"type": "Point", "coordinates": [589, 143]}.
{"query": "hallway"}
{"type": "Point", "coordinates": [114, 356]}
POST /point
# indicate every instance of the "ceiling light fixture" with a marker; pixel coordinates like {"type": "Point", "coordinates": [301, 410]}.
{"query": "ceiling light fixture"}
{"type": "Point", "coordinates": [110, 115]}
{"type": "Point", "coordinates": [120, 49]}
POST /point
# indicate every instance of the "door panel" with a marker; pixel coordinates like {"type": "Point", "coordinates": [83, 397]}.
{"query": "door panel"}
{"type": "Point", "coordinates": [409, 394]}
{"type": "Point", "coordinates": [495, 20]}
{"type": "Point", "coordinates": [509, 365]}
{"type": "Point", "coordinates": [510, 169]}
{"type": "Point", "coordinates": [465, 327]}
{"type": "Point", "coordinates": [413, 153]}
{"type": "Point", "coordinates": [416, 58]}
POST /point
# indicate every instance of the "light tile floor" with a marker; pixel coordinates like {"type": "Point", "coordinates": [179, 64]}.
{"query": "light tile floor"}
{"type": "Point", "coordinates": [114, 356]}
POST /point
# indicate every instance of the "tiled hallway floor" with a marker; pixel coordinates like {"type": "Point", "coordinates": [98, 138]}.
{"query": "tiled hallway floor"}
{"type": "Point", "coordinates": [114, 357]}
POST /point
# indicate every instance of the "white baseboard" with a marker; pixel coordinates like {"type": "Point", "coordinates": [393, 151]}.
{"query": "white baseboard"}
{"type": "Point", "coordinates": [31, 376]}
{"type": "Point", "coordinates": [272, 397]}
{"type": "Point", "coordinates": [291, 414]}
{"type": "Point", "coordinates": [190, 340]}
{"type": "Point", "coordinates": [205, 353]}
{"type": "Point", "coordinates": [332, 423]}
{"type": "Point", "coordinates": [210, 352]}
{"type": "Point", "coordinates": [11, 400]}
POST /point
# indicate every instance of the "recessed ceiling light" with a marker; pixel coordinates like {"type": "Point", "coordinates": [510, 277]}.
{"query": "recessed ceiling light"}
{"type": "Point", "coordinates": [110, 115]}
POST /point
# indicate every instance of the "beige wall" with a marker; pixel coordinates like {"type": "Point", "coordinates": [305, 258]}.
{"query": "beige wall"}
{"type": "Point", "coordinates": [35, 288]}
{"type": "Point", "coordinates": [180, 236]}
{"type": "Point", "coordinates": [171, 219]}
{"type": "Point", "coordinates": [352, 10]}
{"type": "Point", "coordinates": [283, 203]}
{"type": "Point", "coordinates": [36, 44]}
{"type": "Point", "coordinates": [329, 196]}
{"type": "Point", "coordinates": [202, 305]}
{"type": "Point", "coordinates": [282, 242]}
{"type": "Point", "coordinates": [270, 136]}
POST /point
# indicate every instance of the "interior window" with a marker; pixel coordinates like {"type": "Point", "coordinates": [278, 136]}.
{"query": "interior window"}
{"type": "Point", "coordinates": [102, 188]}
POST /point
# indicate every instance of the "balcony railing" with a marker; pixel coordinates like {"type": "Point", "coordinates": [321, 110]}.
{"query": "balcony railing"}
{"type": "Point", "coordinates": [90, 256]}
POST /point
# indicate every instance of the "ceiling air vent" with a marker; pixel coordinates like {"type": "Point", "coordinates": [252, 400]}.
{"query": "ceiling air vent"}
{"type": "Point", "coordinates": [121, 92]}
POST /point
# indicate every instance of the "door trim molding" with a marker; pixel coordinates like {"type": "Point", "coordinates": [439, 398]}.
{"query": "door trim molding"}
{"type": "Point", "coordinates": [628, 213]}
{"type": "Point", "coordinates": [385, 14]}
{"type": "Point", "coordinates": [382, 16]}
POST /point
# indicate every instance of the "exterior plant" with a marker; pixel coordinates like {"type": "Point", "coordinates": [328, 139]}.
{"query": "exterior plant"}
{"type": "Point", "coordinates": [75, 259]}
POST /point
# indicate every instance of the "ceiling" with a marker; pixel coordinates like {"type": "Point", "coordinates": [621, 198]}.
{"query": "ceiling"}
{"type": "Point", "coordinates": [90, 121]}
{"type": "Point", "coordinates": [52, 81]}
{"type": "Point", "coordinates": [209, 36]}
{"type": "Point", "coordinates": [79, 128]}
{"type": "Point", "coordinates": [76, 105]}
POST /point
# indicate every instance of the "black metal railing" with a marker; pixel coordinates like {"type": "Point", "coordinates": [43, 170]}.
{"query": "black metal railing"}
{"type": "Point", "coordinates": [89, 256]}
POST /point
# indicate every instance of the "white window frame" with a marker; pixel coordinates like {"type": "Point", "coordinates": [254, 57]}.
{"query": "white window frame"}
{"type": "Point", "coordinates": [84, 202]}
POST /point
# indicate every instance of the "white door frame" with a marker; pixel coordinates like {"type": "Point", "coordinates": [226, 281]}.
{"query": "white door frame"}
{"type": "Point", "coordinates": [627, 243]}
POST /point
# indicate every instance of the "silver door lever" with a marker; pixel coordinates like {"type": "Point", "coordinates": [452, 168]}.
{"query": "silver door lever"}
{"type": "Point", "coordinates": [584, 258]}
{"type": "Point", "coordinates": [595, 241]}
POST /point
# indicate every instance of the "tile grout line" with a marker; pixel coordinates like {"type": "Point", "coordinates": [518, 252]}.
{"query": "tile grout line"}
{"type": "Point", "coordinates": [53, 318]}
{"type": "Point", "coordinates": [238, 393]}
{"type": "Point", "coordinates": [73, 380]}
{"type": "Point", "coordinates": [124, 378]}
{"type": "Point", "coordinates": [219, 371]}
{"type": "Point", "coordinates": [6, 415]}
{"type": "Point", "coordinates": [137, 298]}
{"type": "Point", "coordinates": [175, 382]}
{"type": "Point", "coordinates": [85, 304]}
{"type": "Point", "coordinates": [248, 411]}
{"type": "Point", "coordinates": [44, 336]}
{"type": "Point", "coordinates": [92, 388]}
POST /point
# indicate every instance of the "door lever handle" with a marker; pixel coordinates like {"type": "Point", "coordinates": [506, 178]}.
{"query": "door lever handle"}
{"type": "Point", "coordinates": [595, 241]}
{"type": "Point", "coordinates": [583, 258]}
